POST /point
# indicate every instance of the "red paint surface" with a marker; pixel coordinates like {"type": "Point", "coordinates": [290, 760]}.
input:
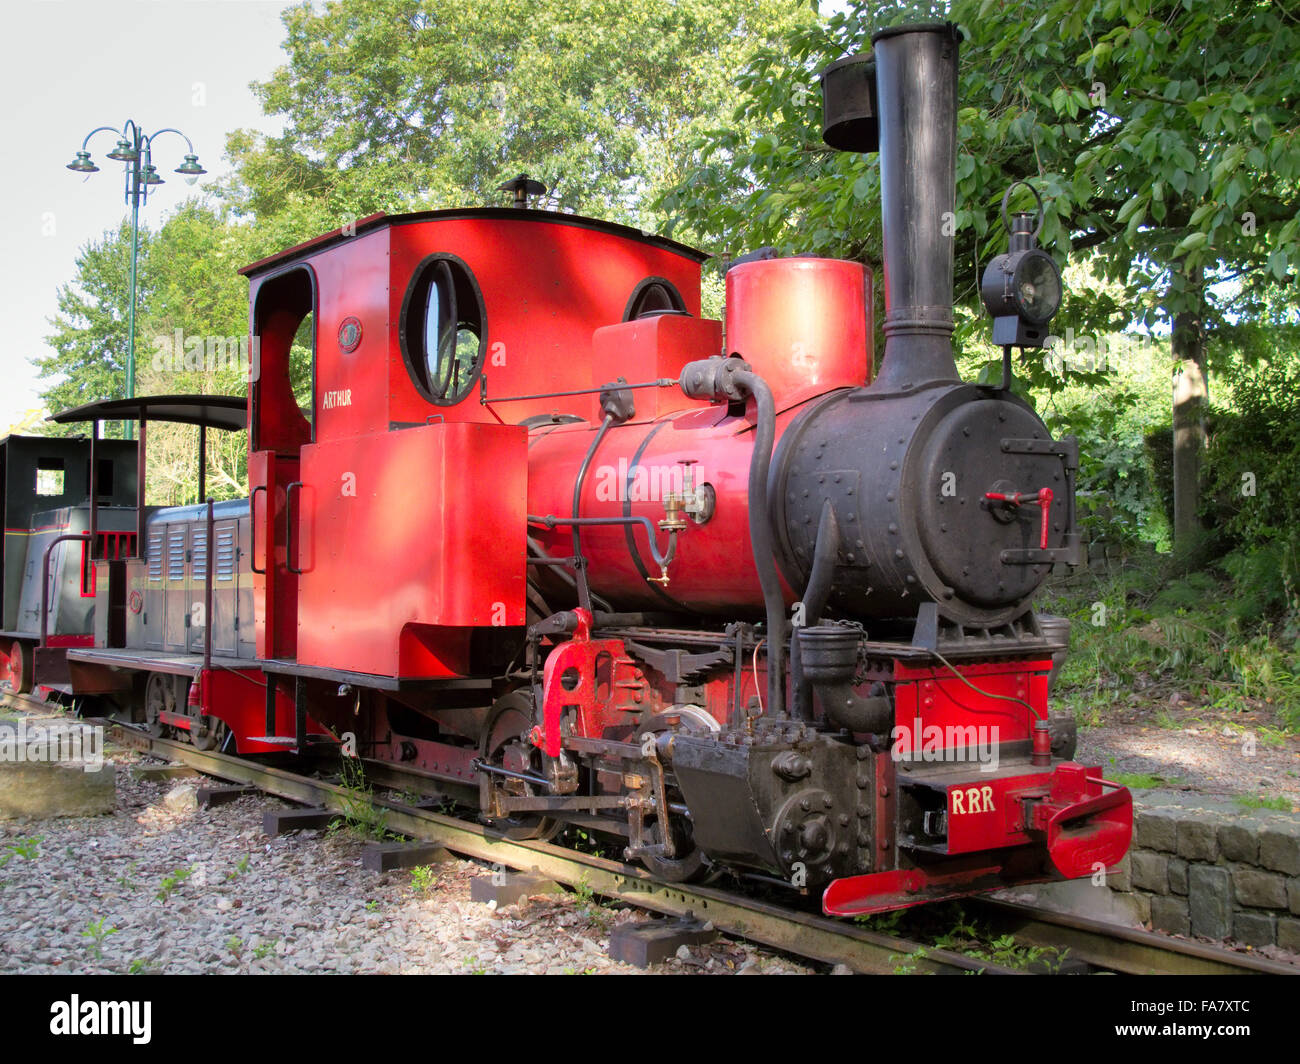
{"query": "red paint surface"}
{"type": "Point", "coordinates": [804, 324]}
{"type": "Point", "coordinates": [418, 532]}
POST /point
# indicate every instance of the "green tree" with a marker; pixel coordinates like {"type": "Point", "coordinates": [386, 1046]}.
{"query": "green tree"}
{"type": "Point", "coordinates": [190, 299]}
{"type": "Point", "coordinates": [1193, 180]}
{"type": "Point", "coordinates": [415, 104]}
{"type": "Point", "coordinates": [90, 328]}
{"type": "Point", "coordinates": [193, 339]}
{"type": "Point", "coordinates": [1161, 134]}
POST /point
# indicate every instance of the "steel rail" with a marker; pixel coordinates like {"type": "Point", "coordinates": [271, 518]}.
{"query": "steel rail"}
{"type": "Point", "coordinates": [1128, 950]}
{"type": "Point", "coordinates": [803, 934]}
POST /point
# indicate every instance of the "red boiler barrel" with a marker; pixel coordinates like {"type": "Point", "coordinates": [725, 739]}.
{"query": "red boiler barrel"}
{"type": "Point", "coordinates": [804, 326]}
{"type": "Point", "coordinates": [636, 466]}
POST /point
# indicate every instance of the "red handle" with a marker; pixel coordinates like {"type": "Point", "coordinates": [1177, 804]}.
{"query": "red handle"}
{"type": "Point", "coordinates": [1043, 497]}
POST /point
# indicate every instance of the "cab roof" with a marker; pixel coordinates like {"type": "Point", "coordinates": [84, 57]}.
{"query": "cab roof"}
{"type": "Point", "coordinates": [515, 214]}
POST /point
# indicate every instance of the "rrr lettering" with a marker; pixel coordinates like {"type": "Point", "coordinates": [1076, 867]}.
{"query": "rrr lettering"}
{"type": "Point", "coordinates": [975, 800]}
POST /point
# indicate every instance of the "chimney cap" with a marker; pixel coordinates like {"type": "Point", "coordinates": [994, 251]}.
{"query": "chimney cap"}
{"type": "Point", "coordinates": [918, 27]}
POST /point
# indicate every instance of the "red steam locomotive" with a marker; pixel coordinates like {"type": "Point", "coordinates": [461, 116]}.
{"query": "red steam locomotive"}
{"type": "Point", "coordinates": [528, 526]}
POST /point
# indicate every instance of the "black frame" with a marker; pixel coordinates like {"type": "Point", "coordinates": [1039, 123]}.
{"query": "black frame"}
{"type": "Point", "coordinates": [417, 369]}
{"type": "Point", "coordinates": [679, 304]}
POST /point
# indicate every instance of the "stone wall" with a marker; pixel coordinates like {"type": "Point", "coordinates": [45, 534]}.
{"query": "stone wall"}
{"type": "Point", "coordinates": [1214, 869]}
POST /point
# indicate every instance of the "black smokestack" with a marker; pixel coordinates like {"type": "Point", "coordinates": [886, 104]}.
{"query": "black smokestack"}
{"type": "Point", "coordinates": [914, 115]}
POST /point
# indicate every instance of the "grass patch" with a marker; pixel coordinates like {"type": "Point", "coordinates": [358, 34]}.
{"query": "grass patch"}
{"type": "Point", "coordinates": [946, 926]}
{"type": "Point", "coordinates": [358, 801]}
{"type": "Point", "coordinates": [1247, 801]}
{"type": "Point", "coordinates": [1142, 780]}
{"type": "Point", "coordinates": [1146, 638]}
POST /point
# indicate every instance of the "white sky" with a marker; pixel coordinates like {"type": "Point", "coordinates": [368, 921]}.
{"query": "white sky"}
{"type": "Point", "coordinates": [72, 65]}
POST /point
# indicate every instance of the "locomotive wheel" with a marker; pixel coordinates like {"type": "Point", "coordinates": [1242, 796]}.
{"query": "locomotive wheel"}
{"type": "Point", "coordinates": [689, 865]}
{"type": "Point", "coordinates": [159, 696]}
{"type": "Point", "coordinates": [206, 732]}
{"type": "Point", "coordinates": [511, 719]}
{"type": "Point", "coordinates": [686, 868]}
{"type": "Point", "coordinates": [18, 668]}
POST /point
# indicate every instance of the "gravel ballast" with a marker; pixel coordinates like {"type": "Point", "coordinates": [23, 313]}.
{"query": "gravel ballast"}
{"type": "Point", "coordinates": [163, 887]}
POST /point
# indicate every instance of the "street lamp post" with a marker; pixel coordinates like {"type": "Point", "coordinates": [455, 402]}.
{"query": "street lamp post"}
{"type": "Point", "coordinates": [135, 150]}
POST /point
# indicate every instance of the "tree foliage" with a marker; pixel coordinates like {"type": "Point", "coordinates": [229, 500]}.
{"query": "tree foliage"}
{"type": "Point", "coordinates": [190, 299]}
{"type": "Point", "coordinates": [1162, 136]}
{"type": "Point", "coordinates": [410, 104]}
{"type": "Point", "coordinates": [89, 334]}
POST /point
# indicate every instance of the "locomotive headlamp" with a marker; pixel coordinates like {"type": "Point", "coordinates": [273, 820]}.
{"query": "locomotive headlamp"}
{"type": "Point", "coordinates": [1023, 283]}
{"type": "Point", "coordinates": [1022, 289]}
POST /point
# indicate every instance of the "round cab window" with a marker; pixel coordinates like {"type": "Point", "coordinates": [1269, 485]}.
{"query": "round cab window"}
{"type": "Point", "coordinates": [443, 334]}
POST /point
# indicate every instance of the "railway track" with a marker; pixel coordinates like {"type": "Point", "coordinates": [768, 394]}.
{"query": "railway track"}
{"type": "Point", "coordinates": [803, 934]}
{"type": "Point", "coordinates": [1125, 950]}
{"type": "Point", "coordinates": [1102, 946]}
